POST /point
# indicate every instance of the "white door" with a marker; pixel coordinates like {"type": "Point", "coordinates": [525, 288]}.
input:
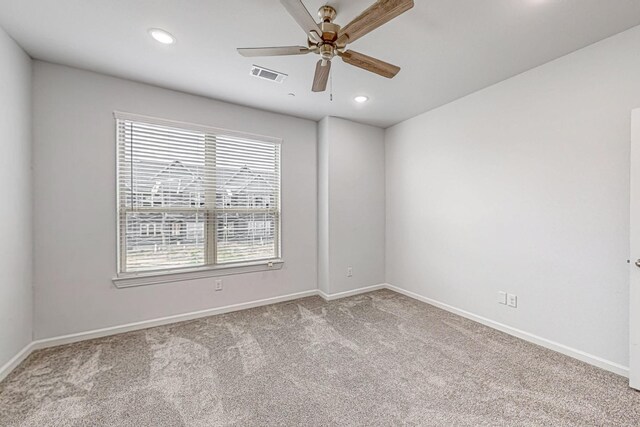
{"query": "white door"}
{"type": "Point", "coordinates": [634, 291]}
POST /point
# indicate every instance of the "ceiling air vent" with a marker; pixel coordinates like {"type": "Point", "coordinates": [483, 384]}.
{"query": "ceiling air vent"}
{"type": "Point", "coordinates": [265, 73]}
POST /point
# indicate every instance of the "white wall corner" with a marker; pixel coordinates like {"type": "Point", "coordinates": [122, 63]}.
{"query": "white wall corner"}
{"type": "Point", "coordinates": [339, 295]}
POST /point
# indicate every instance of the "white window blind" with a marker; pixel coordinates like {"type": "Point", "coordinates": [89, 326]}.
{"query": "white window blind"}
{"type": "Point", "coordinates": [192, 196]}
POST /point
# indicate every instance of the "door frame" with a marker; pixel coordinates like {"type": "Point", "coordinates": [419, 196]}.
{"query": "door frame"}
{"type": "Point", "coordinates": [634, 247]}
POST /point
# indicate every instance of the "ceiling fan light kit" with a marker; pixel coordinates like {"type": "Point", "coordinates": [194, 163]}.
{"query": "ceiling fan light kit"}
{"type": "Point", "coordinates": [329, 39]}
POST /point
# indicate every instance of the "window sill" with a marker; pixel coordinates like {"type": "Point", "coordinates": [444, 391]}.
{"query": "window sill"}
{"type": "Point", "coordinates": [157, 277]}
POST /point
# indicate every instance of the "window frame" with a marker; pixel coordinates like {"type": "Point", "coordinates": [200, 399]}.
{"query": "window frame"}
{"type": "Point", "coordinates": [166, 275]}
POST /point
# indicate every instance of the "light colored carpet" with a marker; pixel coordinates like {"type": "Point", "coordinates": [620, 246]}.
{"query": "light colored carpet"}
{"type": "Point", "coordinates": [374, 359]}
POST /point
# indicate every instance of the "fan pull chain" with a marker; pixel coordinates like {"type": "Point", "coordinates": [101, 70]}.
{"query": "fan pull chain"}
{"type": "Point", "coordinates": [331, 85]}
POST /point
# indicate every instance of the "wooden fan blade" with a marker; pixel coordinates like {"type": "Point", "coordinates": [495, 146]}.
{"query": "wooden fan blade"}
{"type": "Point", "coordinates": [302, 16]}
{"type": "Point", "coordinates": [379, 13]}
{"type": "Point", "coordinates": [273, 51]}
{"type": "Point", "coordinates": [370, 64]}
{"type": "Point", "coordinates": [321, 77]}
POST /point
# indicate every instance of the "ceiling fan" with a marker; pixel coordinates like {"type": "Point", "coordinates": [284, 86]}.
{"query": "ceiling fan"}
{"type": "Point", "coordinates": [328, 39]}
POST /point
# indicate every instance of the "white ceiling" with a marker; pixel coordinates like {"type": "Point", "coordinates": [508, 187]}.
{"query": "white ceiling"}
{"type": "Point", "coordinates": [446, 48]}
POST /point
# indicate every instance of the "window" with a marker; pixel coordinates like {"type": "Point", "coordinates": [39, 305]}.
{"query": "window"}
{"type": "Point", "coordinates": [192, 196]}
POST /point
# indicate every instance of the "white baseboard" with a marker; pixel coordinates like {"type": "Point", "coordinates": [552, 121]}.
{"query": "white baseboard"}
{"type": "Point", "coordinates": [543, 342]}
{"type": "Point", "coordinates": [113, 330]}
{"type": "Point", "coordinates": [16, 360]}
{"type": "Point", "coordinates": [331, 297]}
{"type": "Point", "coordinates": [98, 333]}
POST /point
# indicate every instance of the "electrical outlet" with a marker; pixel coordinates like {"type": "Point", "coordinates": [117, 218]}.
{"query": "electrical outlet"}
{"type": "Point", "coordinates": [512, 300]}
{"type": "Point", "coordinates": [218, 284]}
{"type": "Point", "coordinates": [502, 297]}
{"type": "Point", "coordinates": [349, 271]}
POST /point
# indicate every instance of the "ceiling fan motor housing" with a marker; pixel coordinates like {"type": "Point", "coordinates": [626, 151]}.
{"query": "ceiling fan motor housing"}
{"type": "Point", "coordinates": [327, 47]}
{"type": "Point", "coordinates": [329, 31]}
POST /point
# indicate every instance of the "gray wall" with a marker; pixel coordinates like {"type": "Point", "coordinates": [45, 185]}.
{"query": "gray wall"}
{"type": "Point", "coordinates": [75, 202]}
{"type": "Point", "coordinates": [351, 203]}
{"type": "Point", "coordinates": [524, 187]}
{"type": "Point", "coordinates": [16, 299]}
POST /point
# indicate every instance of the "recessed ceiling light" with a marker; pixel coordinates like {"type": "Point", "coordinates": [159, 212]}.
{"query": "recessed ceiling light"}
{"type": "Point", "coordinates": [361, 98]}
{"type": "Point", "coordinates": [162, 36]}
